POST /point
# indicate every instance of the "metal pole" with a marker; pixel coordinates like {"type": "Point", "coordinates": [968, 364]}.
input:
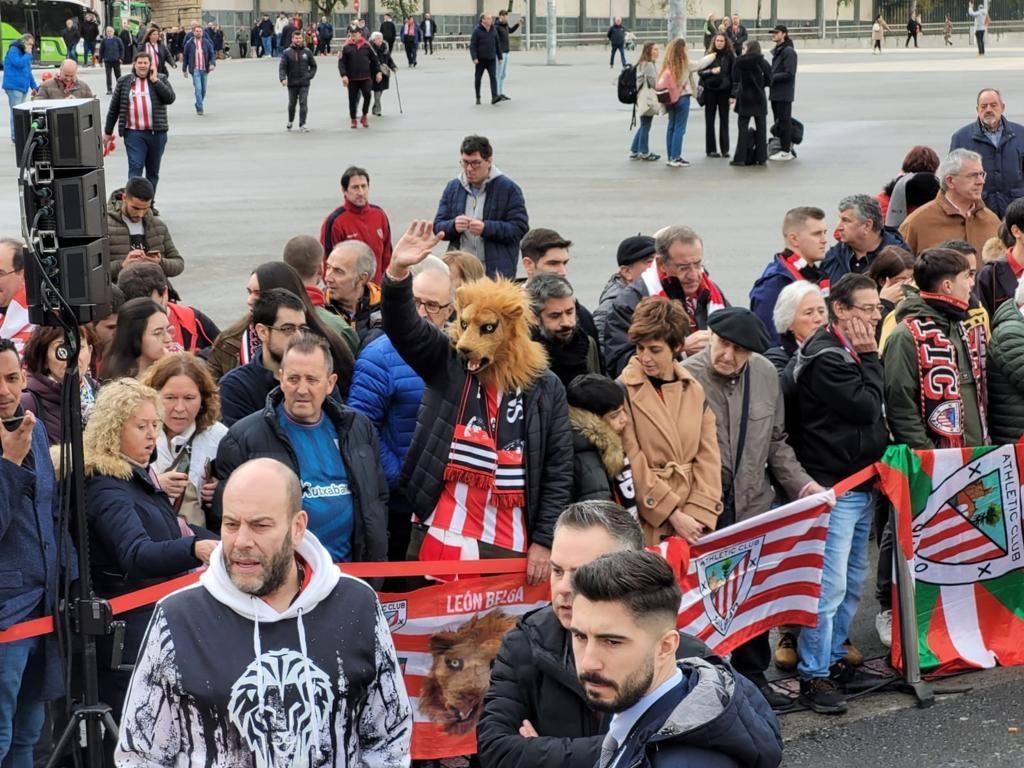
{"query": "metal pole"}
{"type": "Point", "coordinates": [676, 19]}
{"type": "Point", "coordinates": [527, 26]}
{"type": "Point", "coordinates": [908, 626]}
{"type": "Point", "coordinates": [552, 31]}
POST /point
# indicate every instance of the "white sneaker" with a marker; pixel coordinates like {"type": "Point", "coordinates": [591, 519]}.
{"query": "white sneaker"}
{"type": "Point", "coordinates": [883, 626]}
{"type": "Point", "coordinates": [781, 156]}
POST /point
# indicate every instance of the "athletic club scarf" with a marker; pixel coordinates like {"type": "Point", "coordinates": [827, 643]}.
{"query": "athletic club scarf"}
{"type": "Point", "coordinates": [938, 372]}
{"type": "Point", "coordinates": [249, 345]}
{"type": "Point", "coordinates": [624, 489]}
{"type": "Point", "coordinates": [660, 284]}
{"type": "Point", "coordinates": [487, 451]}
{"type": "Point", "coordinates": [801, 269]}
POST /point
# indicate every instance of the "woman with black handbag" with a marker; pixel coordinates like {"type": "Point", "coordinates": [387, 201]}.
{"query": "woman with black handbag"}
{"type": "Point", "coordinates": [751, 74]}
{"type": "Point", "coordinates": [716, 83]}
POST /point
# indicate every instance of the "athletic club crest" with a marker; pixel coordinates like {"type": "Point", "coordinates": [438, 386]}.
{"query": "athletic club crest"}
{"type": "Point", "coordinates": [726, 576]}
{"type": "Point", "coordinates": [970, 529]}
{"type": "Point", "coordinates": [396, 614]}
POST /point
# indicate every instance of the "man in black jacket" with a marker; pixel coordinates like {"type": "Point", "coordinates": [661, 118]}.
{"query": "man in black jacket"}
{"type": "Point", "coordinates": [358, 65]}
{"type": "Point", "coordinates": [617, 37]}
{"type": "Point", "coordinates": [332, 448]}
{"type": "Point", "coordinates": [71, 36]}
{"type": "Point", "coordinates": [428, 28]}
{"type": "Point", "coordinates": [535, 712]}
{"type": "Point", "coordinates": [296, 71]}
{"type": "Point", "coordinates": [782, 91]}
{"type": "Point", "coordinates": [525, 433]}
{"type": "Point", "coordinates": [485, 52]}
{"type": "Point", "coordinates": [840, 395]}
{"type": "Point", "coordinates": [390, 32]}
{"type": "Point", "coordinates": [90, 34]}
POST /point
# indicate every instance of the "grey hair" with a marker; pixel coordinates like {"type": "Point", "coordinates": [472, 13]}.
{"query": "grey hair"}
{"type": "Point", "coordinates": [616, 521]}
{"type": "Point", "coordinates": [366, 261]}
{"type": "Point", "coordinates": [676, 233]}
{"type": "Point", "coordinates": [788, 302]}
{"type": "Point", "coordinates": [865, 208]}
{"type": "Point", "coordinates": [375, 35]}
{"type": "Point", "coordinates": [434, 264]}
{"type": "Point", "coordinates": [953, 163]}
{"type": "Point", "coordinates": [543, 286]}
{"type": "Point", "coordinates": [306, 343]}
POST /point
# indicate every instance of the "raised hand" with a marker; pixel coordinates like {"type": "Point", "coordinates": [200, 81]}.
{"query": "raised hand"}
{"type": "Point", "coordinates": [414, 246]}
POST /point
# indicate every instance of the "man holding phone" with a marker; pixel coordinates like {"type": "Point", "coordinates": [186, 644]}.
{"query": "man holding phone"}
{"type": "Point", "coordinates": [139, 107]}
{"type": "Point", "coordinates": [136, 233]}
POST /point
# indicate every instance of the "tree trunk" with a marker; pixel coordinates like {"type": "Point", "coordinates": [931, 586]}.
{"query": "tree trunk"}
{"type": "Point", "coordinates": [676, 19]}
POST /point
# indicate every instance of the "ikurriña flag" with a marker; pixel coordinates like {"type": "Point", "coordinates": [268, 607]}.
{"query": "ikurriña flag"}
{"type": "Point", "coordinates": [758, 574]}
{"type": "Point", "coordinates": [958, 525]}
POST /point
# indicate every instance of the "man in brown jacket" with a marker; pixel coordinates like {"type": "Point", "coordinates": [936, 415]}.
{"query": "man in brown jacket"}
{"type": "Point", "coordinates": [957, 212]}
{"type": "Point", "coordinates": [65, 85]}
{"type": "Point", "coordinates": [742, 388]}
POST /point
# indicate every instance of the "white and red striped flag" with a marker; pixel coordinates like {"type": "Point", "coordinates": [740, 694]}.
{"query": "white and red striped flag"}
{"type": "Point", "coordinates": [757, 574]}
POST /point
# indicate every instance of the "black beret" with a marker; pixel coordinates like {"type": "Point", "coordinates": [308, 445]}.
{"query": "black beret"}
{"type": "Point", "coordinates": [632, 249]}
{"type": "Point", "coordinates": [740, 326]}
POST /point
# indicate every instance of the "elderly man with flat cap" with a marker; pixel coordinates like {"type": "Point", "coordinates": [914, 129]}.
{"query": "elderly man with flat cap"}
{"type": "Point", "coordinates": [743, 390]}
{"type": "Point", "coordinates": [634, 256]}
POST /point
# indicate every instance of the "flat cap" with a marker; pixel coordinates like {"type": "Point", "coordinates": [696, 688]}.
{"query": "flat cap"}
{"type": "Point", "coordinates": [634, 248]}
{"type": "Point", "coordinates": [740, 326]}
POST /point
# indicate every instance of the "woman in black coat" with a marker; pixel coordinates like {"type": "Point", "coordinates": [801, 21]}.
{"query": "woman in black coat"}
{"type": "Point", "coordinates": [153, 44]}
{"type": "Point", "coordinates": [751, 74]}
{"type": "Point", "coordinates": [716, 79]}
{"type": "Point", "coordinates": [136, 540]}
{"type": "Point", "coordinates": [387, 67]}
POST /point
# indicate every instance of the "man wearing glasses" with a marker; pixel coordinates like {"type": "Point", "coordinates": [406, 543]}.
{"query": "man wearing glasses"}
{"type": "Point", "coordinates": [483, 211]}
{"type": "Point", "coordinates": [388, 392]}
{"type": "Point", "coordinates": [278, 315]}
{"type": "Point", "coordinates": [958, 212]}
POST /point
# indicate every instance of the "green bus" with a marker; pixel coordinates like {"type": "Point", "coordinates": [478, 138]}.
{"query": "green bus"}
{"type": "Point", "coordinates": [138, 15]}
{"type": "Point", "coordinates": [44, 20]}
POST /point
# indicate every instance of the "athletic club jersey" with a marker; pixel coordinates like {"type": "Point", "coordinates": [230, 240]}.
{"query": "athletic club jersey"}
{"type": "Point", "coordinates": [140, 106]}
{"type": "Point", "coordinates": [467, 510]}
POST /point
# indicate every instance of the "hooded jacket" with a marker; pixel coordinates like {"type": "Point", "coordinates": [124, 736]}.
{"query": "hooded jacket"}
{"type": "Point", "coordinates": [783, 83]}
{"type": "Point", "coordinates": [714, 718]}
{"type": "Point", "coordinates": [597, 456]}
{"type": "Point", "coordinates": [283, 688]}
{"type": "Point", "coordinates": [1006, 375]}
{"type": "Point", "coordinates": [18, 69]}
{"type": "Point", "coordinates": [751, 74]}
{"type": "Point", "coordinates": [155, 235]}
{"type": "Point", "coordinates": [902, 380]}
{"type": "Point", "coordinates": [769, 285]}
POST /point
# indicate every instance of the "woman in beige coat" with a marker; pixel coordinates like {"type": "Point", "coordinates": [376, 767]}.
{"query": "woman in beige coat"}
{"type": "Point", "coordinates": [670, 440]}
{"type": "Point", "coordinates": [878, 30]}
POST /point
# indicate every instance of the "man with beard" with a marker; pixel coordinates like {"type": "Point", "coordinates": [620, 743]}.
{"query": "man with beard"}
{"type": "Point", "coordinates": [332, 448]}
{"type": "Point", "coordinates": [665, 712]}
{"type": "Point", "coordinates": [278, 315]}
{"type": "Point", "coordinates": [571, 352]}
{"type": "Point", "coordinates": [304, 689]}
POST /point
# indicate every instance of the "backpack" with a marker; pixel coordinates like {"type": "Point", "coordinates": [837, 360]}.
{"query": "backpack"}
{"type": "Point", "coordinates": [627, 85]}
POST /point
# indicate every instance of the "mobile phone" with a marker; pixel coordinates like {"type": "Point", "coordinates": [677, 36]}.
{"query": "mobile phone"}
{"type": "Point", "coordinates": [153, 254]}
{"type": "Point", "coordinates": [13, 422]}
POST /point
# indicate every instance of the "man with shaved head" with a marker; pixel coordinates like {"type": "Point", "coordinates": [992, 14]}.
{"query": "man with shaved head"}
{"type": "Point", "coordinates": [285, 686]}
{"type": "Point", "coordinates": [65, 85]}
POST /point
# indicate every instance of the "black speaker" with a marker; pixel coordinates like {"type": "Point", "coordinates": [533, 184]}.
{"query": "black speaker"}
{"type": "Point", "coordinates": [70, 130]}
{"type": "Point", "coordinates": [74, 203]}
{"type": "Point", "coordinates": [79, 272]}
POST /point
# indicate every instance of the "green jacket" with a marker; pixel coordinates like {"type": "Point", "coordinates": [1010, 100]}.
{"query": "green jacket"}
{"type": "Point", "coordinates": [902, 381]}
{"type": "Point", "coordinates": [1006, 375]}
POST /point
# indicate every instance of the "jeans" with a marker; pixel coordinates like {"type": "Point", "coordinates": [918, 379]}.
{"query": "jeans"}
{"type": "Point", "coordinates": [357, 88]}
{"type": "Point", "coordinates": [502, 73]}
{"type": "Point", "coordinates": [112, 68]}
{"type": "Point", "coordinates": [716, 103]}
{"type": "Point", "coordinates": [842, 581]}
{"type": "Point", "coordinates": [73, 54]}
{"type": "Point", "coordinates": [782, 113]}
{"type": "Point", "coordinates": [678, 114]}
{"type": "Point", "coordinates": [268, 46]}
{"type": "Point", "coordinates": [297, 93]}
{"type": "Point", "coordinates": [622, 54]}
{"type": "Point", "coordinates": [488, 66]}
{"type": "Point", "coordinates": [199, 85]}
{"type": "Point", "coordinates": [145, 149]}
{"type": "Point", "coordinates": [14, 98]}
{"type": "Point", "coordinates": [640, 144]}
{"type": "Point", "coordinates": [21, 714]}
{"type": "Point", "coordinates": [410, 45]}
{"type": "Point", "coordinates": [979, 35]}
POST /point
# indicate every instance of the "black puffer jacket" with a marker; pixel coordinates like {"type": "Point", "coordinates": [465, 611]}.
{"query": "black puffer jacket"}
{"type": "Point", "coordinates": [430, 353]}
{"type": "Point", "coordinates": [357, 61]}
{"type": "Point", "coordinates": [161, 93]}
{"type": "Point", "coordinates": [297, 66]}
{"type": "Point", "coordinates": [783, 83]}
{"type": "Point", "coordinates": [750, 75]}
{"type": "Point", "coordinates": [259, 435]}
{"type": "Point", "coordinates": [1006, 375]}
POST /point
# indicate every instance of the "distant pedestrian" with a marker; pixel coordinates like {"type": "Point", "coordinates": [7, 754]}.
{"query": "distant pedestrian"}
{"type": "Point", "coordinates": [18, 77]}
{"type": "Point", "coordinates": [750, 75]}
{"type": "Point", "coordinates": [390, 32]}
{"type": "Point", "coordinates": [736, 31]}
{"type": "Point", "coordinates": [387, 68]}
{"type": "Point", "coordinates": [242, 41]}
{"type": "Point", "coordinates": [159, 57]}
{"type": "Point", "coordinates": [485, 52]}
{"type": "Point", "coordinates": [71, 37]}
{"type": "Point", "coordinates": [198, 61]}
{"type": "Point", "coordinates": [647, 106]}
{"type": "Point", "coordinates": [981, 21]}
{"type": "Point", "coordinates": [324, 35]}
{"type": "Point", "coordinates": [296, 71]}
{"type": "Point", "coordinates": [783, 91]}
{"type": "Point", "coordinates": [913, 30]}
{"type": "Point", "coordinates": [947, 31]}
{"type": "Point", "coordinates": [710, 30]}
{"type": "Point", "coordinates": [279, 24]}
{"type": "Point", "coordinates": [113, 56]}
{"type": "Point", "coordinates": [410, 40]}
{"type": "Point", "coordinates": [359, 68]}
{"type": "Point", "coordinates": [267, 36]}
{"type": "Point", "coordinates": [90, 34]}
{"type": "Point", "coordinates": [676, 78]}
{"type": "Point", "coordinates": [878, 30]}
{"type": "Point", "coordinates": [617, 37]}
{"type": "Point", "coordinates": [716, 79]}
{"type": "Point", "coordinates": [505, 44]}
{"type": "Point", "coordinates": [428, 30]}
{"type": "Point", "coordinates": [127, 41]}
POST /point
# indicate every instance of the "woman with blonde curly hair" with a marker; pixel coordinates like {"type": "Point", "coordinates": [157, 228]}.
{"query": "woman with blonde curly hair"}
{"type": "Point", "coordinates": [136, 540]}
{"type": "Point", "coordinates": [675, 86]}
{"type": "Point", "coordinates": [187, 444]}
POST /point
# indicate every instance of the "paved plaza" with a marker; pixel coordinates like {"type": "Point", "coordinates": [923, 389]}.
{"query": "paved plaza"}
{"type": "Point", "coordinates": [235, 186]}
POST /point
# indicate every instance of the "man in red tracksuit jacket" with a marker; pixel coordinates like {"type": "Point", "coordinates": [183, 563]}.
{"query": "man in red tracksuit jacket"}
{"type": "Point", "coordinates": [358, 219]}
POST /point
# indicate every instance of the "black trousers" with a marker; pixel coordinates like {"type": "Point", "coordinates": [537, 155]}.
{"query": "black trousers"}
{"type": "Point", "coordinates": [752, 659]}
{"type": "Point", "coordinates": [909, 36]}
{"type": "Point", "coordinates": [716, 103]}
{"type": "Point", "coordinates": [297, 93]}
{"type": "Point", "coordinates": [489, 66]}
{"type": "Point", "coordinates": [428, 45]}
{"type": "Point", "coordinates": [885, 537]}
{"type": "Point", "coordinates": [979, 35]}
{"type": "Point", "coordinates": [878, 45]}
{"type": "Point", "coordinates": [112, 67]}
{"type": "Point", "coordinates": [243, 50]}
{"type": "Point", "coordinates": [355, 89]}
{"type": "Point", "coordinates": [782, 112]}
{"type": "Point", "coordinates": [743, 139]}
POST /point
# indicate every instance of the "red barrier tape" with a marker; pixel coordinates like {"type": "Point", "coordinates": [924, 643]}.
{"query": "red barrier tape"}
{"type": "Point", "coordinates": [150, 595]}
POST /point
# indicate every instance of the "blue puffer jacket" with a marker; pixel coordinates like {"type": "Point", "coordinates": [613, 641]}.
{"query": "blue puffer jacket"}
{"type": "Point", "coordinates": [505, 221]}
{"type": "Point", "coordinates": [18, 69]}
{"type": "Point", "coordinates": [388, 392]}
{"type": "Point", "coordinates": [766, 292]}
{"type": "Point", "coordinates": [1004, 165]}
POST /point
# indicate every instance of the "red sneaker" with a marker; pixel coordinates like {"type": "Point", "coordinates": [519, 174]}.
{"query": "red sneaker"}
{"type": "Point", "coordinates": [365, 122]}
{"type": "Point", "coordinates": [354, 124]}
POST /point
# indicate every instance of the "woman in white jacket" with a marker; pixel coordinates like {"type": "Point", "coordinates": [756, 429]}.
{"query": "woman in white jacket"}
{"type": "Point", "coordinates": [647, 105]}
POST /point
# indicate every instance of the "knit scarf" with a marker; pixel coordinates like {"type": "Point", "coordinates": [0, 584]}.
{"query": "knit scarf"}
{"type": "Point", "coordinates": [801, 269]}
{"type": "Point", "coordinates": [660, 284]}
{"type": "Point", "coordinates": [624, 490]}
{"type": "Point", "coordinates": [249, 345]}
{"type": "Point", "coordinates": [938, 371]}
{"type": "Point", "coordinates": [487, 450]}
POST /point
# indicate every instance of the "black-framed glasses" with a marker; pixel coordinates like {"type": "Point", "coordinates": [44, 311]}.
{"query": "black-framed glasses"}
{"type": "Point", "coordinates": [471, 163]}
{"type": "Point", "coordinates": [431, 307]}
{"type": "Point", "coordinates": [5, 273]}
{"type": "Point", "coordinates": [289, 328]}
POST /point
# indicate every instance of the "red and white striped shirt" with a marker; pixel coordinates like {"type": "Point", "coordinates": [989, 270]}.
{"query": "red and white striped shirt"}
{"type": "Point", "coordinates": [154, 55]}
{"type": "Point", "coordinates": [140, 106]}
{"type": "Point", "coordinates": [200, 59]}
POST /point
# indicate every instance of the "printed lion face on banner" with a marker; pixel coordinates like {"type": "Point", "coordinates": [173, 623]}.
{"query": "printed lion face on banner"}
{"type": "Point", "coordinates": [492, 334]}
{"type": "Point", "coordinates": [453, 691]}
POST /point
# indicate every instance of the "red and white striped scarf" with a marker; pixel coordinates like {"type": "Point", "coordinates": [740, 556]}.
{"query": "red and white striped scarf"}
{"type": "Point", "coordinates": [140, 106]}
{"type": "Point", "coordinates": [801, 269]}
{"type": "Point", "coordinates": [16, 325]}
{"type": "Point", "coordinates": [655, 280]}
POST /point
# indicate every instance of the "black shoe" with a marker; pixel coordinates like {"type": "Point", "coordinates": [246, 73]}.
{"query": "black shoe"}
{"type": "Point", "coordinates": [736, 162]}
{"type": "Point", "coordinates": [850, 678]}
{"type": "Point", "coordinates": [478, 101]}
{"type": "Point", "coordinates": [503, 97]}
{"type": "Point", "coordinates": [495, 99]}
{"type": "Point", "coordinates": [821, 695]}
{"type": "Point", "coordinates": [713, 154]}
{"type": "Point", "coordinates": [776, 700]}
